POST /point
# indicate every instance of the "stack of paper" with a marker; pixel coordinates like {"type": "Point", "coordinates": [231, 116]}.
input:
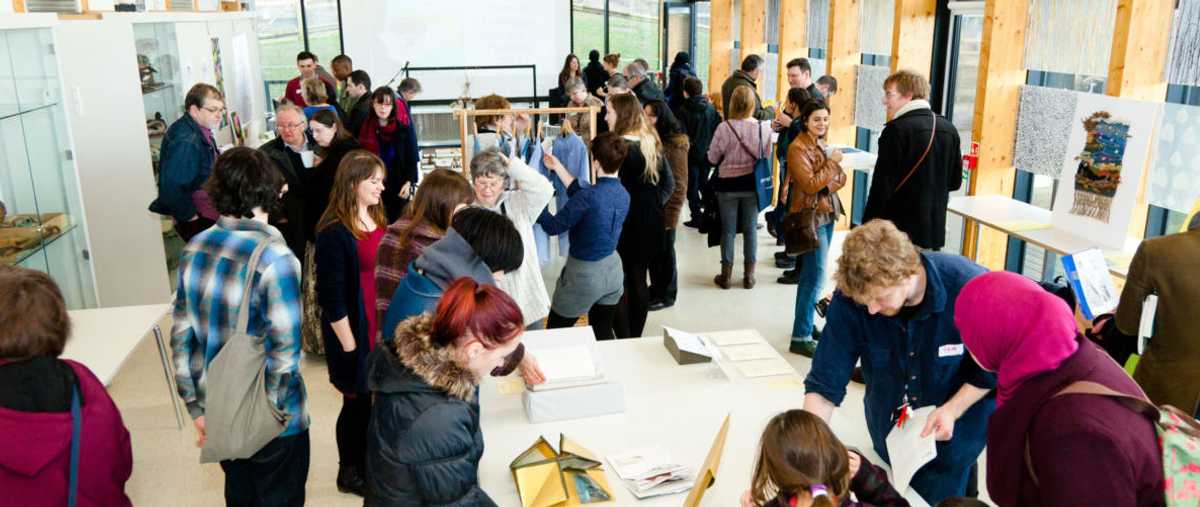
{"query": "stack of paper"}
{"type": "Point", "coordinates": [650, 472]}
{"type": "Point", "coordinates": [570, 366]}
{"type": "Point", "coordinates": [752, 355]}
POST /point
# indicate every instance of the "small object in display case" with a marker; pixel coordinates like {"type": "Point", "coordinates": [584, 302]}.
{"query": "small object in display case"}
{"type": "Point", "coordinates": [24, 232]}
{"type": "Point", "coordinates": [147, 73]}
{"type": "Point", "coordinates": [156, 127]}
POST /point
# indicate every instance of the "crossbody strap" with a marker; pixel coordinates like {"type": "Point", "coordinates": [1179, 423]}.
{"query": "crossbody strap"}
{"type": "Point", "coordinates": [76, 430]}
{"type": "Point", "coordinates": [743, 145]}
{"type": "Point", "coordinates": [243, 319]}
{"type": "Point", "coordinates": [911, 172]}
{"type": "Point", "coordinates": [1136, 403]}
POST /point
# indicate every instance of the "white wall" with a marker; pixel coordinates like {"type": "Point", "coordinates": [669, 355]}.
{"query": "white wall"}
{"type": "Point", "coordinates": [381, 35]}
{"type": "Point", "coordinates": [103, 107]}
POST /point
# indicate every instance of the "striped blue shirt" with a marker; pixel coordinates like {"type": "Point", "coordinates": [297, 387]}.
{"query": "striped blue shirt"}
{"type": "Point", "coordinates": [212, 273]}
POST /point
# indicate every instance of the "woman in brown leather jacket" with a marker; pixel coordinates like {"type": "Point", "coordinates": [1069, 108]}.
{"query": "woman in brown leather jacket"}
{"type": "Point", "coordinates": [817, 178]}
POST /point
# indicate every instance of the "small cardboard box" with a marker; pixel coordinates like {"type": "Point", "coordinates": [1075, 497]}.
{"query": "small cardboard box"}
{"type": "Point", "coordinates": [574, 402]}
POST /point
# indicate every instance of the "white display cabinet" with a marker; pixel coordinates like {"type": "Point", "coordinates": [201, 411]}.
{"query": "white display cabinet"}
{"type": "Point", "coordinates": [43, 223]}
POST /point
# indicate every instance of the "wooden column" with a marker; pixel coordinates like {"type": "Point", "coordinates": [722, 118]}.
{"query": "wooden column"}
{"type": "Point", "coordinates": [997, 96]}
{"type": "Point", "coordinates": [720, 44]}
{"type": "Point", "coordinates": [793, 40]}
{"type": "Point", "coordinates": [912, 36]}
{"type": "Point", "coordinates": [1141, 38]}
{"type": "Point", "coordinates": [843, 57]}
{"type": "Point", "coordinates": [754, 32]}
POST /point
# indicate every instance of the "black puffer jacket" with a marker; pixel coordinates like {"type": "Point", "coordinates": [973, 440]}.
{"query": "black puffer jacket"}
{"type": "Point", "coordinates": [424, 441]}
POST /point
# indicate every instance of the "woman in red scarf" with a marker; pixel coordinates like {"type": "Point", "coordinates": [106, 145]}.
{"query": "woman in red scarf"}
{"type": "Point", "coordinates": [387, 136]}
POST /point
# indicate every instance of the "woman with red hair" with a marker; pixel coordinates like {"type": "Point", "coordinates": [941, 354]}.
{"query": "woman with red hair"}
{"type": "Point", "coordinates": [424, 441]}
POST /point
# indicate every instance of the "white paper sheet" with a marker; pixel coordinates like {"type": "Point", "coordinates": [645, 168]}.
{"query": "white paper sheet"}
{"type": "Point", "coordinates": [726, 338]}
{"type": "Point", "coordinates": [765, 368]}
{"type": "Point", "coordinates": [565, 363]}
{"type": "Point", "coordinates": [910, 452]}
{"type": "Point", "coordinates": [688, 342]}
{"type": "Point", "coordinates": [749, 352]}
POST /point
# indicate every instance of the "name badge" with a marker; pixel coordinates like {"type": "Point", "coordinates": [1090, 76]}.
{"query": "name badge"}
{"type": "Point", "coordinates": [954, 349]}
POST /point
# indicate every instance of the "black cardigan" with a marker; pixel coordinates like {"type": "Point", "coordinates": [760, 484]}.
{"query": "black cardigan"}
{"type": "Point", "coordinates": [340, 295]}
{"type": "Point", "coordinates": [643, 232]}
{"type": "Point", "coordinates": [319, 182]}
{"type": "Point", "coordinates": [289, 217]}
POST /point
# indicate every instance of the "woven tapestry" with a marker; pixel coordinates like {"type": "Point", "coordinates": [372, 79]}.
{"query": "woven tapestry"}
{"type": "Point", "coordinates": [1183, 63]}
{"type": "Point", "coordinates": [869, 112]}
{"type": "Point", "coordinates": [1106, 155]}
{"type": "Point", "coordinates": [1070, 36]}
{"type": "Point", "coordinates": [1175, 171]}
{"type": "Point", "coordinates": [818, 24]}
{"type": "Point", "coordinates": [1043, 129]}
{"type": "Point", "coordinates": [875, 26]}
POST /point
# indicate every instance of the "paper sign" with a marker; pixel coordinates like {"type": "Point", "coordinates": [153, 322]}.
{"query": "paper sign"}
{"type": "Point", "coordinates": [908, 450]}
{"type": "Point", "coordinates": [749, 352]}
{"type": "Point", "coordinates": [765, 368]}
{"type": "Point", "coordinates": [688, 342]}
{"type": "Point", "coordinates": [727, 338]}
{"type": "Point", "coordinates": [1088, 273]}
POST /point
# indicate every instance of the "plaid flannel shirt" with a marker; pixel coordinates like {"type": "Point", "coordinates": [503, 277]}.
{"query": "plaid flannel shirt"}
{"type": "Point", "coordinates": [211, 280]}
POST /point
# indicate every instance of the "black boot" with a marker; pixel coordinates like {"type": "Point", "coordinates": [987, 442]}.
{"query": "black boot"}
{"type": "Point", "coordinates": [350, 480]}
{"type": "Point", "coordinates": [790, 277]}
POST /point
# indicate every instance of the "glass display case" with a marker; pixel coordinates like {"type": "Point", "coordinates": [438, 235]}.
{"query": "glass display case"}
{"type": "Point", "coordinates": [162, 95]}
{"type": "Point", "coordinates": [41, 213]}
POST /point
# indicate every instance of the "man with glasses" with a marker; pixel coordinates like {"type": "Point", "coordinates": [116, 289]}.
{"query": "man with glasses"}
{"type": "Point", "coordinates": [292, 156]}
{"type": "Point", "coordinates": [920, 163]}
{"type": "Point", "coordinates": [186, 159]}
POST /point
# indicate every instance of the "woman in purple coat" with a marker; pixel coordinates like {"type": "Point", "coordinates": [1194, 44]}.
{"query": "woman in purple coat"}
{"type": "Point", "coordinates": [1083, 449]}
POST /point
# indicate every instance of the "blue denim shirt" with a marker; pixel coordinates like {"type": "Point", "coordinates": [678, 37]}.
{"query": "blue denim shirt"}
{"type": "Point", "coordinates": [923, 356]}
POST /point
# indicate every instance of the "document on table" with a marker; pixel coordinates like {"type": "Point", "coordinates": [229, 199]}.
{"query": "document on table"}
{"type": "Point", "coordinates": [566, 363]}
{"type": "Point", "coordinates": [765, 368]}
{"type": "Point", "coordinates": [727, 338]}
{"type": "Point", "coordinates": [688, 342]}
{"type": "Point", "coordinates": [650, 472]}
{"type": "Point", "coordinates": [908, 450]}
{"type": "Point", "coordinates": [749, 352]}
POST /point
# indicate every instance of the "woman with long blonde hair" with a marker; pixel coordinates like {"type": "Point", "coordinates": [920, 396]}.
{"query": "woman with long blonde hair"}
{"type": "Point", "coordinates": [646, 177]}
{"type": "Point", "coordinates": [348, 237]}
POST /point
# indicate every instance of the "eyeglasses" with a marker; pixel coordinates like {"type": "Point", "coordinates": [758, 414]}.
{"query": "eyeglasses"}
{"type": "Point", "coordinates": [489, 183]}
{"type": "Point", "coordinates": [293, 126]}
{"type": "Point", "coordinates": [214, 111]}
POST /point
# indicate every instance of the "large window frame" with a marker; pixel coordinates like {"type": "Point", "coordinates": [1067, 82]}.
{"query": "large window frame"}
{"type": "Point", "coordinates": [305, 37]}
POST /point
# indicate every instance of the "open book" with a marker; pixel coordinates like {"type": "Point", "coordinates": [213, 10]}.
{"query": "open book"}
{"type": "Point", "coordinates": [569, 366]}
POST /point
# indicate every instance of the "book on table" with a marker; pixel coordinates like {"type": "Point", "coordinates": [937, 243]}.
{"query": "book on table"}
{"type": "Point", "coordinates": [568, 366]}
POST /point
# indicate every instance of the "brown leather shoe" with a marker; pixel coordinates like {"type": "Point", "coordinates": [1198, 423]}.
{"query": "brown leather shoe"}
{"type": "Point", "coordinates": [722, 280]}
{"type": "Point", "coordinates": [748, 280]}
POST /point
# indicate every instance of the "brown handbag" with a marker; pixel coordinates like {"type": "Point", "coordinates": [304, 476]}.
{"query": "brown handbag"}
{"type": "Point", "coordinates": [800, 230]}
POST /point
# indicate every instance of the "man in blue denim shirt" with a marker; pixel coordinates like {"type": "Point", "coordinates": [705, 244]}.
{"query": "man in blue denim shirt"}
{"type": "Point", "coordinates": [894, 310]}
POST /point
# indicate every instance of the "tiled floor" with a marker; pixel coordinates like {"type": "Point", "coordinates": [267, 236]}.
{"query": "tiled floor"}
{"type": "Point", "coordinates": [166, 462]}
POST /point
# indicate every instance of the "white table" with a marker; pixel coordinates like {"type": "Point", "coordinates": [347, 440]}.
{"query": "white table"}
{"type": "Point", "coordinates": [103, 338]}
{"type": "Point", "coordinates": [996, 211]}
{"type": "Point", "coordinates": [678, 407]}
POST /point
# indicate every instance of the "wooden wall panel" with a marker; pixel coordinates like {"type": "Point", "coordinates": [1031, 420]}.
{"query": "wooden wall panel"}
{"type": "Point", "coordinates": [793, 40]}
{"type": "Point", "coordinates": [912, 35]}
{"type": "Point", "coordinates": [720, 44]}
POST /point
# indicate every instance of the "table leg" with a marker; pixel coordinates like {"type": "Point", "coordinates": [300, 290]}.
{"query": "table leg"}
{"type": "Point", "coordinates": [166, 364]}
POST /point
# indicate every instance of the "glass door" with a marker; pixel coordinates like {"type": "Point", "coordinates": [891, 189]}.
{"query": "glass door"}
{"type": "Point", "coordinates": [962, 75]}
{"type": "Point", "coordinates": [678, 34]}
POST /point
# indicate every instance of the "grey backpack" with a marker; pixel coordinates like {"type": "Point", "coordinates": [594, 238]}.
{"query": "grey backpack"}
{"type": "Point", "coordinates": [239, 418]}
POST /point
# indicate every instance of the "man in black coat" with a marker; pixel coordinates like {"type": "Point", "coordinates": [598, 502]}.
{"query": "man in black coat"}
{"type": "Point", "coordinates": [700, 120]}
{"type": "Point", "coordinates": [358, 87]}
{"type": "Point", "coordinates": [286, 151]}
{"type": "Point", "coordinates": [920, 163]}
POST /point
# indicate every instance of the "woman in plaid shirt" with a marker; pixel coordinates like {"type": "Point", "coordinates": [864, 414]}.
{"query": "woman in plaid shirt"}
{"type": "Point", "coordinates": [212, 275]}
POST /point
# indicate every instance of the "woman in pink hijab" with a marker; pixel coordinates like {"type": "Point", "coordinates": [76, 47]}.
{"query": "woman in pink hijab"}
{"type": "Point", "coordinates": [1084, 449]}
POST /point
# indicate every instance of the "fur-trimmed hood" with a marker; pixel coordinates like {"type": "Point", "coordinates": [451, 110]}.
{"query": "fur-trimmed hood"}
{"type": "Point", "coordinates": [411, 363]}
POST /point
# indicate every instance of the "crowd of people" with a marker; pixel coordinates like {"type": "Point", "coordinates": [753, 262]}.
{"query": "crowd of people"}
{"type": "Point", "coordinates": [415, 287]}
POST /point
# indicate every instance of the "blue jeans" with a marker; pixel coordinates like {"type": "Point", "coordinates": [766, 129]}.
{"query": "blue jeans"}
{"type": "Point", "coordinates": [812, 277]}
{"type": "Point", "coordinates": [739, 215]}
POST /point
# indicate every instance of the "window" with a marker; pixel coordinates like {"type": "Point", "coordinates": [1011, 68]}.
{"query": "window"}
{"type": "Point", "coordinates": [587, 28]}
{"type": "Point", "coordinates": [287, 27]}
{"type": "Point", "coordinates": [280, 37]}
{"type": "Point", "coordinates": [633, 30]}
{"type": "Point", "coordinates": [700, 57]}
